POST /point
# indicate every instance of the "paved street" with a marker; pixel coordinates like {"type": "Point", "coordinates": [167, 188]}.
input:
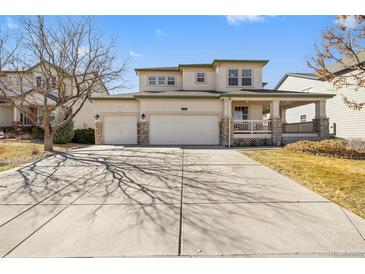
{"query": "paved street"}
{"type": "Point", "coordinates": [113, 201]}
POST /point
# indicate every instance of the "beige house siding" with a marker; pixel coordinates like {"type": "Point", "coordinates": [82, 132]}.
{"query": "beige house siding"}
{"type": "Point", "coordinates": [222, 75]}
{"type": "Point", "coordinates": [143, 83]}
{"type": "Point", "coordinates": [349, 123]}
{"type": "Point", "coordinates": [189, 78]}
{"type": "Point", "coordinates": [174, 106]}
{"type": "Point", "coordinates": [6, 116]}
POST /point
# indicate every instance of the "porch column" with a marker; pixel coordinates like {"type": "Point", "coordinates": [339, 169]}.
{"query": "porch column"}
{"type": "Point", "coordinates": [15, 117]}
{"type": "Point", "coordinates": [276, 122]}
{"type": "Point", "coordinates": [283, 115]}
{"type": "Point", "coordinates": [227, 123]}
{"type": "Point", "coordinates": [321, 122]}
{"type": "Point", "coordinates": [98, 132]}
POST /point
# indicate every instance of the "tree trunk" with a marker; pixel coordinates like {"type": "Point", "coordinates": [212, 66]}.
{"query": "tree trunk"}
{"type": "Point", "coordinates": [48, 139]}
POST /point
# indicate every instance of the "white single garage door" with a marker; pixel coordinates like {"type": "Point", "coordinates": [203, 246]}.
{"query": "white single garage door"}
{"type": "Point", "coordinates": [120, 130]}
{"type": "Point", "coordinates": [184, 130]}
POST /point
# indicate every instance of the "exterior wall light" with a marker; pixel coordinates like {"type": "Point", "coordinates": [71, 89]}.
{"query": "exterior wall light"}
{"type": "Point", "coordinates": [97, 116]}
{"type": "Point", "coordinates": [143, 116]}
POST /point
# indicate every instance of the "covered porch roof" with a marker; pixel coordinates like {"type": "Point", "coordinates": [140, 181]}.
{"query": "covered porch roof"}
{"type": "Point", "coordinates": [256, 94]}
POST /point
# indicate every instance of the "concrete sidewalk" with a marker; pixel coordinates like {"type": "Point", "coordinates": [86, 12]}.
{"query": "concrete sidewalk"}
{"type": "Point", "coordinates": [113, 201]}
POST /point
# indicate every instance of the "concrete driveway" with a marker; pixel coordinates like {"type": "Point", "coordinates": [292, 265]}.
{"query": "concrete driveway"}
{"type": "Point", "coordinates": [112, 201]}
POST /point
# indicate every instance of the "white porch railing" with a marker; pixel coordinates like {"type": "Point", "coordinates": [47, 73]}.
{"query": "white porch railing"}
{"type": "Point", "coordinates": [252, 126]}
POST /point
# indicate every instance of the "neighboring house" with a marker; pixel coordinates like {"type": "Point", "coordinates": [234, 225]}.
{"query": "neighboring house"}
{"type": "Point", "coordinates": [344, 122]}
{"type": "Point", "coordinates": [10, 116]}
{"type": "Point", "coordinates": [222, 102]}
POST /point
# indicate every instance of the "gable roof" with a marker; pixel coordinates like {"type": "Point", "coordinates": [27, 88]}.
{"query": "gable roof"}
{"type": "Point", "coordinates": [304, 75]}
{"type": "Point", "coordinates": [345, 63]}
{"type": "Point", "coordinates": [210, 65]}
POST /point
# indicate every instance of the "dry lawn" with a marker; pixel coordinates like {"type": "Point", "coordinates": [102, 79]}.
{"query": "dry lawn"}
{"type": "Point", "coordinates": [339, 180]}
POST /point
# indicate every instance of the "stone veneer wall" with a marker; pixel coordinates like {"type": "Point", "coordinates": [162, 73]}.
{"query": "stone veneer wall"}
{"type": "Point", "coordinates": [321, 126]}
{"type": "Point", "coordinates": [98, 132]}
{"type": "Point", "coordinates": [225, 132]}
{"type": "Point", "coordinates": [277, 131]}
{"type": "Point", "coordinates": [143, 133]}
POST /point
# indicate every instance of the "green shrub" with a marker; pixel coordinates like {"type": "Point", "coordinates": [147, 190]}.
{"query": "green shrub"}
{"type": "Point", "coordinates": [64, 134]}
{"type": "Point", "coordinates": [84, 136]}
{"type": "Point", "coordinates": [38, 133]}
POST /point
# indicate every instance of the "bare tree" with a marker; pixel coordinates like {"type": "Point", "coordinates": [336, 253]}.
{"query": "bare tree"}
{"type": "Point", "coordinates": [73, 61]}
{"type": "Point", "coordinates": [341, 58]}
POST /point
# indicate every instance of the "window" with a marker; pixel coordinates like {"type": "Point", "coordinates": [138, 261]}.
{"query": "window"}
{"type": "Point", "coordinates": [200, 77]}
{"type": "Point", "coordinates": [152, 80]}
{"type": "Point", "coordinates": [233, 77]}
{"type": "Point", "coordinates": [39, 81]}
{"type": "Point", "coordinates": [246, 77]}
{"type": "Point", "coordinates": [241, 113]}
{"type": "Point", "coordinates": [19, 80]}
{"type": "Point", "coordinates": [171, 81]}
{"type": "Point", "coordinates": [52, 117]}
{"type": "Point", "coordinates": [162, 81]}
{"type": "Point", "coordinates": [303, 118]}
{"type": "Point", "coordinates": [54, 81]}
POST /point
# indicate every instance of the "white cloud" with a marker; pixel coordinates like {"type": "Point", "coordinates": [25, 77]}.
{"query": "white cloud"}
{"type": "Point", "coordinates": [83, 50]}
{"type": "Point", "coordinates": [11, 23]}
{"type": "Point", "coordinates": [134, 54]}
{"type": "Point", "coordinates": [161, 32]}
{"type": "Point", "coordinates": [235, 20]}
{"type": "Point", "coordinates": [349, 22]}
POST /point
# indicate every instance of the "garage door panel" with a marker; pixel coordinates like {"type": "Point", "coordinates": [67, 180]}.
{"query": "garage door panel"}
{"type": "Point", "coordinates": [184, 130]}
{"type": "Point", "coordinates": [120, 129]}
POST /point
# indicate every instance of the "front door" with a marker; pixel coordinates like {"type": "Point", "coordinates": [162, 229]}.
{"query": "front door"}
{"type": "Point", "coordinates": [240, 113]}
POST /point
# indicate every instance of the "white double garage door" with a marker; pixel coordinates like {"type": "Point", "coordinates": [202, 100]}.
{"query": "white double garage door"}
{"type": "Point", "coordinates": [164, 129]}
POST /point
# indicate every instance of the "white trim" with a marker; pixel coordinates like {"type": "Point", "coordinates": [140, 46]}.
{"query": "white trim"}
{"type": "Point", "coordinates": [259, 136]}
{"type": "Point", "coordinates": [300, 135]}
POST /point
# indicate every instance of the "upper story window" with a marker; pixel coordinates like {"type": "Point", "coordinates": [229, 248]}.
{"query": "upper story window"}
{"type": "Point", "coordinates": [246, 77]}
{"type": "Point", "coordinates": [200, 77]}
{"type": "Point", "coordinates": [152, 80]}
{"type": "Point", "coordinates": [162, 81]}
{"type": "Point", "coordinates": [171, 81]}
{"type": "Point", "coordinates": [19, 80]}
{"type": "Point", "coordinates": [39, 81]}
{"type": "Point", "coordinates": [233, 77]}
{"type": "Point", "coordinates": [54, 81]}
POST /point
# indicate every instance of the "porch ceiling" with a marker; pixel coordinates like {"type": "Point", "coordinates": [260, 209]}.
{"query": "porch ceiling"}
{"type": "Point", "coordinates": [292, 104]}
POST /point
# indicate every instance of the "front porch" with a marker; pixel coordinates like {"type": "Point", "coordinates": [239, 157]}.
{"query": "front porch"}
{"type": "Point", "coordinates": [263, 122]}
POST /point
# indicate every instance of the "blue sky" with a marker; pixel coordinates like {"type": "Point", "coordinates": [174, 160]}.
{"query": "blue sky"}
{"type": "Point", "coordinates": [149, 41]}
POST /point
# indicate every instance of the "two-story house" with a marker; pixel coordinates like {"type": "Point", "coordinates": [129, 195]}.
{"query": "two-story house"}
{"type": "Point", "coordinates": [222, 102]}
{"type": "Point", "coordinates": [31, 82]}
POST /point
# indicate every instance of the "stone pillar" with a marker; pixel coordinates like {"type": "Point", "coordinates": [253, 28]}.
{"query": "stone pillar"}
{"type": "Point", "coordinates": [226, 132]}
{"type": "Point", "coordinates": [98, 132]}
{"type": "Point", "coordinates": [321, 126]}
{"type": "Point", "coordinates": [143, 133]}
{"type": "Point", "coordinates": [276, 123]}
{"type": "Point", "coordinates": [321, 122]}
